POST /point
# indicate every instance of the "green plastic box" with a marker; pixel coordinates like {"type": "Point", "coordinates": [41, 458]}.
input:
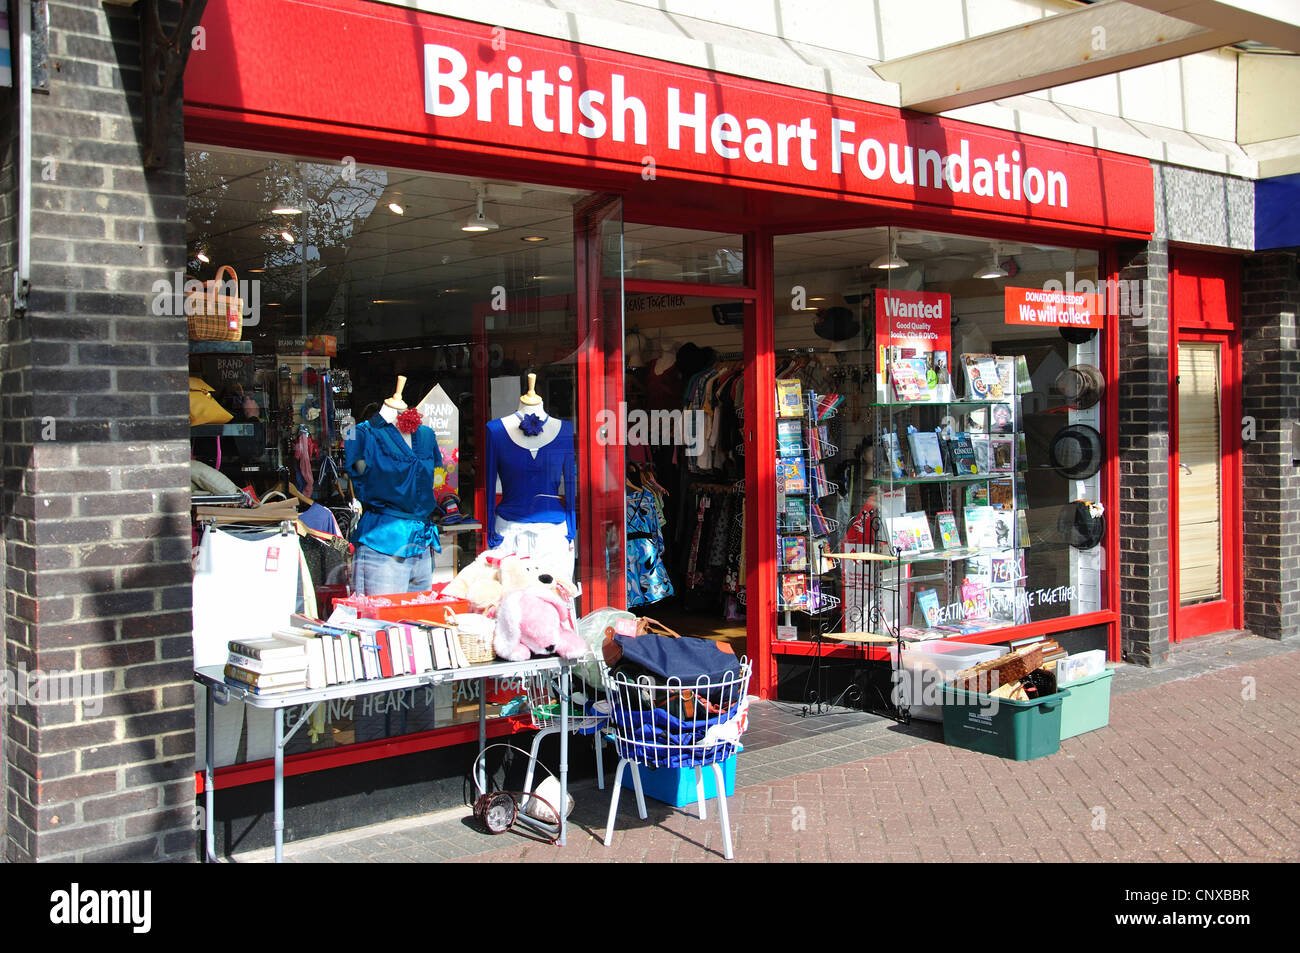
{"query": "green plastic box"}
{"type": "Point", "coordinates": [1088, 707]}
{"type": "Point", "coordinates": [1022, 731]}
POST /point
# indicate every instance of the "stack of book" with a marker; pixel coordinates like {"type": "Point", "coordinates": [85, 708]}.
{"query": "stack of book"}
{"type": "Point", "coordinates": [268, 666]}
{"type": "Point", "coordinates": [366, 649]}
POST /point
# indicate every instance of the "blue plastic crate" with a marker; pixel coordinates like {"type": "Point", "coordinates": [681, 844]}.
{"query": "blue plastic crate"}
{"type": "Point", "coordinates": [676, 786]}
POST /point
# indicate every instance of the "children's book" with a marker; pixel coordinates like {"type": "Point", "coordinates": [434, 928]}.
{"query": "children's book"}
{"type": "Point", "coordinates": [949, 537]}
{"type": "Point", "coordinates": [789, 397]}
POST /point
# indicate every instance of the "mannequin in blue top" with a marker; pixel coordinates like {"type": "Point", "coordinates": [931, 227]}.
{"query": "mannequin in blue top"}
{"type": "Point", "coordinates": [532, 454]}
{"type": "Point", "coordinates": [391, 459]}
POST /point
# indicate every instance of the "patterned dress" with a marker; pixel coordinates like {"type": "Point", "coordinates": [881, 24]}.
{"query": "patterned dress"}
{"type": "Point", "coordinates": [647, 576]}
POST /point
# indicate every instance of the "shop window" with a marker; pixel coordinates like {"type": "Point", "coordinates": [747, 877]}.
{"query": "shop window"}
{"type": "Point", "coordinates": [661, 253]}
{"type": "Point", "coordinates": [936, 407]}
{"type": "Point", "coordinates": [351, 278]}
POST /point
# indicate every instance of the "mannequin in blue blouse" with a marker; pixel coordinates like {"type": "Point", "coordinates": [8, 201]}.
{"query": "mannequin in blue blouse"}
{"type": "Point", "coordinates": [532, 454]}
{"type": "Point", "coordinates": [393, 473]}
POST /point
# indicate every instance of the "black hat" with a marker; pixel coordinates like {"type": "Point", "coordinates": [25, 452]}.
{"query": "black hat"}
{"type": "Point", "coordinates": [1082, 385]}
{"type": "Point", "coordinates": [835, 324]}
{"type": "Point", "coordinates": [1078, 335]}
{"type": "Point", "coordinates": [1081, 524]}
{"type": "Point", "coordinates": [1076, 452]}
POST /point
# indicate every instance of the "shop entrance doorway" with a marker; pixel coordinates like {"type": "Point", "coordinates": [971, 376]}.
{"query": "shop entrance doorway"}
{"type": "Point", "coordinates": [1205, 450]}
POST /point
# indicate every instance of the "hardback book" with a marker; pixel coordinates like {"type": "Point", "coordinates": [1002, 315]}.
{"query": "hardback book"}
{"type": "Point", "coordinates": [794, 590]}
{"type": "Point", "coordinates": [1006, 375]}
{"type": "Point", "coordinates": [1001, 419]}
{"type": "Point", "coordinates": [919, 524]}
{"type": "Point", "coordinates": [890, 460]}
{"type": "Point", "coordinates": [266, 648]}
{"type": "Point", "coordinates": [949, 537]}
{"type": "Point", "coordinates": [1002, 603]}
{"type": "Point", "coordinates": [791, 477]}
{"type": "Point", "coordinates": [316, 647]}
{"type": "Point", "coordinates": [794, 553]}
{"type": "Point", "coordinates": [354, 646]}
{"type": "Point", "coordinates": [441, 650]}
{"type": "Point", "coordinates": [789, 397]}
{"type": "Point", "coordinates": [980, 446]}
{"type": "Point", "coordinates": [927, 456]}
{"type": "Point", "coordinates": [980, 531]}
{"type": "Point", "coordinates": [385, 652]}
{"type": "Point", "coordinates": [1000, 493]}
{"type": "Point", "coordinates": [982, 381]}
{"type": "Point", "coordinates": [282, 681]}
{"type": "Point", "coordinates": [271, 667]}
{"type": "Point", "coordinates": [1001, 454]}
{"type": "Point", "coordinates": [977, 494]}
{"type": "Point", "coordinates": [789, 437]}
{"type": "Point", "coordinates": [423, 649]}
{"type": "Point", "coordinates": [962, 454]}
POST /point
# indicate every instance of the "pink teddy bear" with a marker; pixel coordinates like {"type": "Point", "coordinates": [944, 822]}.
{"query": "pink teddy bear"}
{"type": "Point", "coordinates": [537, 620]}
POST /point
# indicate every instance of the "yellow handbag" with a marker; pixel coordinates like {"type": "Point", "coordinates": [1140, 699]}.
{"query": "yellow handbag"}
{"type": "Point", "coordinates": [203, 409]}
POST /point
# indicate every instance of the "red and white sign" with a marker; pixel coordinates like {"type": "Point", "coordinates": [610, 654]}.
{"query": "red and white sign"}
{"type": "Point", "coordinates": [1058, 309]}
{"type": "Point", "coordinates": [329, 71]}
{"type": "Point", "coordinates": [911, 324]}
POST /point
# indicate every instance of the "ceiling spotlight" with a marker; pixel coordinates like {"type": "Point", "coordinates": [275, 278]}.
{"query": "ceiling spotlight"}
{"type": "Point", "coordinates": [202, 256]}
{"type": "Point", "coordinates": [533, 238]}
{"type": "Point", "coordinates": [992, 270]}
{"type": "Point", "coordinates": [479, 222]}
{"type": "Point", "coordinates": [892, 260]}
{"type": "Point", "coordinates": [286, 210]}
{"type": "Point", "coordinates": [288, 236]}
{"type": "Point", "coordinates": [396, 209]}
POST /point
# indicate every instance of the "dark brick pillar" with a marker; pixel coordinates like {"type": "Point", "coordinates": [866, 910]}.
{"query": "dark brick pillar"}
{"type": "Point", "coordinates": [1270, 395]}
{"type": "Point", "coordinates": [95, 469]}
{"type": "Point", "coordinates": [1143, 448]}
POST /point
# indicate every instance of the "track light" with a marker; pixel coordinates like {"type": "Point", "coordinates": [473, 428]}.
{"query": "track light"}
{"type": "Point", "coordinates": [892, 260]}
{"type": "Point", "coordinates": [479, 222]}
{"type": "Point", "coordinates": [992, 270]}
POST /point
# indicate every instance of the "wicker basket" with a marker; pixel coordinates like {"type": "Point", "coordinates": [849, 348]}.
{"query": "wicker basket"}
{"type": "Point", "coordinates": [477, 648]}
{"type": "Point", "coordinates": [213, 316]}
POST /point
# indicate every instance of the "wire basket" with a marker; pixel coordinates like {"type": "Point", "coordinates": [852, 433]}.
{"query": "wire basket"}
{"type": "Point", "coordinates": [586, 716]}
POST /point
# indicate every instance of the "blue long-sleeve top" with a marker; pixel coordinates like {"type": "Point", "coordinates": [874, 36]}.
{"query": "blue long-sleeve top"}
{"type": "Point", "coordinates": [530, 487]}
{"type": "Point", "coordinates": [395, 487]}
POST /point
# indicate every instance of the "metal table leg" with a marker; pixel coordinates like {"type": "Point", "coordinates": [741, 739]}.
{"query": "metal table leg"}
{"type": "Point", "coordinates": [209, 795]}
{"type": "Point", "coordinates": [279, 785]}
{"type": "Point", "coordinates": [482, 734]}
{"type": "Point", "coordinates": [565, 687]}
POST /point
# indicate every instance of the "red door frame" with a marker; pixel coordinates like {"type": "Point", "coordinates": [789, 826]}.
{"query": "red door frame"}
{"type": "Point", "coordinates": [1204, 305]}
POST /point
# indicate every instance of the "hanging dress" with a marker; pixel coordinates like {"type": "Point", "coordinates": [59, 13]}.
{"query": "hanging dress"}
{"type": "Point", "coordinates": [647, 576]}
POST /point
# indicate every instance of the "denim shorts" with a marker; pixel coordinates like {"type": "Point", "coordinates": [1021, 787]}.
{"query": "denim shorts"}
{"type": "Point", "coordinates": [375, 573]}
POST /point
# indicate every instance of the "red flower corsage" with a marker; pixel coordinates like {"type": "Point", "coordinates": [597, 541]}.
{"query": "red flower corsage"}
{"type": "Point", "coordinates": [409, 421]}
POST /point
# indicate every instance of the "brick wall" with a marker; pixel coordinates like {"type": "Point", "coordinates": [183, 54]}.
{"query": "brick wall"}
{"type": "Point", "coordinates": [1271, 481]}
{"type": "Point", "coordinates": [1143, 447]}
{"type": "Point", "coordinates": [95, 469]}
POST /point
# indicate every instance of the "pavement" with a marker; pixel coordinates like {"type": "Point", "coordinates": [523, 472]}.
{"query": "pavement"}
{"type": "Point", "coordinates": [1200, 762]}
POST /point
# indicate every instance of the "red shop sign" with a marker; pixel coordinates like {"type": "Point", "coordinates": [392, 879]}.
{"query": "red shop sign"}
{"type": "Point", "coordinates": [1068, 309]}
{"type": "Point", "coordinates": [367, 69]}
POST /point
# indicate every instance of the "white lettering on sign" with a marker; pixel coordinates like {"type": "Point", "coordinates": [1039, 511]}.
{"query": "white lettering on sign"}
{"type": "Point", "coordinates": [550, 104]}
